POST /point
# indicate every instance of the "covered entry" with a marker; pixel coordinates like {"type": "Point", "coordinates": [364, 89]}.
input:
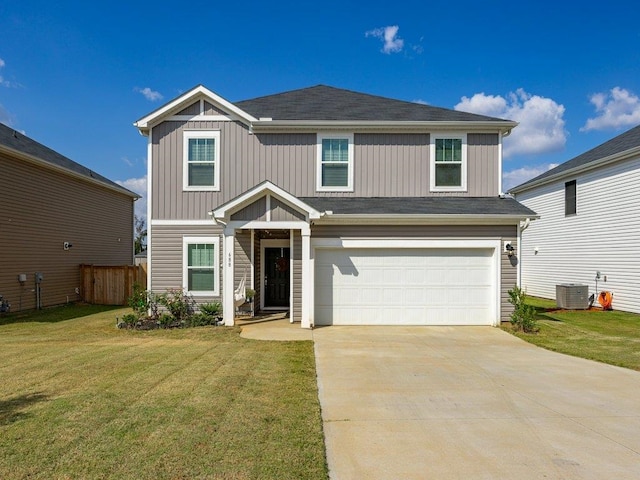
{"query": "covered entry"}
{"type": "Point", "coordinates": [267, 243]}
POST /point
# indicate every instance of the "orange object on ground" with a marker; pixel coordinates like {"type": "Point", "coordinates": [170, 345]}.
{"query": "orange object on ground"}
{"type": "Point", "coordinates": [605, 299]}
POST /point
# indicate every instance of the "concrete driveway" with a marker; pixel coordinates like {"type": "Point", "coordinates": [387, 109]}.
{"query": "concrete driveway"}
{"type": "Point", "coordinates": [471, 403]}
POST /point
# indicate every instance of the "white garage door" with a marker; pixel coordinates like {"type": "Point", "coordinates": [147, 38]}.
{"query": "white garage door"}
{"type": "Point", "coordinates": [383, 286]}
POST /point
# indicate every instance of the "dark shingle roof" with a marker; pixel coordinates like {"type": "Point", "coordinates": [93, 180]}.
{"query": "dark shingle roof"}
{"type": "Point", "coordinates": [420, 206]}
{"type": "Point", "coordinates": [21, 143]}
{"type": "Point", "coordinates": [626, 141]}
{"type": "Point", "coordinates": [328, 103]}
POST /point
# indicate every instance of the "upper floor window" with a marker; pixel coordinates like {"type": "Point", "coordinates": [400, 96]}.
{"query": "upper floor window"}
{"type": "Point", "coordinates": [201, 153]}
{"type": "Point", "coordinates": [570, 198]}
{"type": "Point", "coordinates": [200, 257]}
{"type": "Point", "coordinates": [335, 163]}
{"type": "Point", "coordinates": [448, 162]}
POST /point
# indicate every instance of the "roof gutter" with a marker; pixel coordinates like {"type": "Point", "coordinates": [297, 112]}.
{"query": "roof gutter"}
{"type": "Point", "coordinates": [504, 127]}
{"type": "Point", "coordinates": [405, 219]}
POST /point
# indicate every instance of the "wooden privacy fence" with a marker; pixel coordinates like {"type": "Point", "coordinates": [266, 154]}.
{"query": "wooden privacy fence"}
{"type": "Point", "coordinates": [110, 285]}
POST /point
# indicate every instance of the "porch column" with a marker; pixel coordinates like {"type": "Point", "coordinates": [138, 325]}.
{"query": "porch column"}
{"type": "Point", "coordinates": [228, 305]}
{"type": "Point", "coordinates": [307, 281]}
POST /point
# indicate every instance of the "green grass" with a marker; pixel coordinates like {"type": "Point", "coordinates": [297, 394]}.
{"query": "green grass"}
{"type": "Point", "coordinates": [81, 399]}
{"type": "Point", "coordinates": [606, 336]}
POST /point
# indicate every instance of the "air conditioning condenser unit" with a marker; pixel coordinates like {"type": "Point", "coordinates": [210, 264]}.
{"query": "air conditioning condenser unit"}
{"type": "Point", "coordinates": [572, 296]}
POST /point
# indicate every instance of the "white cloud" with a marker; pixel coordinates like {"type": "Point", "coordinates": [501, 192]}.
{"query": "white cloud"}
{"type": "Point", "coordinates": [149, 94]}
{"type": "Point", "coordinates": [515, 177]}
{"type": "Point", "coordinates": [541, 123]}
{"type": "Point", "coordinates": [392, 43]}
{"type": "Point", "coordinates": [420, 101]}
{"type": "Point", "coordinates": [3, 82]}
{"type": "Point", "coordinates": [6, 117]}
{"type": "Point", "coordinates": [615, 109]}
{"type": "Point", "coordinates": [139, 186]}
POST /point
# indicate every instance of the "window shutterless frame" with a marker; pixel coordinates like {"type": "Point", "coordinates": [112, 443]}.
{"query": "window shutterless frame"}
{"type": "Point", "coordinates": [570, 198]}
{"type": "Point", "coordinates": [200, 266]}
{"type": "Point", "coordinates": [448, 162]}
{"type": "Point", "coordinates": [201, 160]}
{"type": "Point", "coordinates": [334, 162]}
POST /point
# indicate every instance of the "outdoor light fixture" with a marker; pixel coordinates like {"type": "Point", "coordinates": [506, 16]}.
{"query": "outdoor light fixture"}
{"type": "Point", "coordinates": [509, 248]}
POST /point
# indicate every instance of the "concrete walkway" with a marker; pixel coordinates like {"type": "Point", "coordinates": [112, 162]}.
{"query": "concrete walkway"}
{"type": "Point", "coordinates": [466, 403]}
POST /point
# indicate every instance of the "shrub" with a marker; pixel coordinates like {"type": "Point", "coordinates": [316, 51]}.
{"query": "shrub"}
{"type": "Point", "coordinates": [200, 320]}
{"type": "Point", "coordinates": [523, 317]}
{"type": "Point", "coordinates": [128, 320]}
{"type": "Point", "coordinates": [144, 303]}
{"type": "Point", "coordinates": [211, 309]}
{"type": "Point", "coordinates": [180, 304]}
{"type": "Point", "coordinates": [165, 320]}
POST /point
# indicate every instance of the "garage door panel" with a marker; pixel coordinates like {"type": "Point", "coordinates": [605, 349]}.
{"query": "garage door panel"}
{"type": "Point", "coordinates": [404, 286]}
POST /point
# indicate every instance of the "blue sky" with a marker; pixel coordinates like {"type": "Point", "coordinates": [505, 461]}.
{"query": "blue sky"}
{"type": "Point", "coordinates": [76, 75]}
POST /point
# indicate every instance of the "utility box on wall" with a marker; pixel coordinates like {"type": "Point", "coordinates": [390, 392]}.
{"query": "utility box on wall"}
{"type": "Point", "coordinates": [572, 296]}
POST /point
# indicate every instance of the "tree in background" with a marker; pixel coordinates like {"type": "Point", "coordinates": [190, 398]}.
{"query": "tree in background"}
{"type": "Point", "coordinates": [141, 234]}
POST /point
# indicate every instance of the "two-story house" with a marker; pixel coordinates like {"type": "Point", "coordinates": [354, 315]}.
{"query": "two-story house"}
{"type": "Point", "coordinates": [338, 206]}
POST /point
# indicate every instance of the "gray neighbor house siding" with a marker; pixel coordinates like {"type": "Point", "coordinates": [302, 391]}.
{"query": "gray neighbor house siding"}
{"type": "Point", "coordinates": [387, 164]}
{"type": "Point", "coordinates": [48, 200]}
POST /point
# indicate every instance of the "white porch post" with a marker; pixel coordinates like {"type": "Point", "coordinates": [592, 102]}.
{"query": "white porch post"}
{"type": "Point", "coordinates": [228, 306]}
{"type": "Point", "coordinates": [307, 281]}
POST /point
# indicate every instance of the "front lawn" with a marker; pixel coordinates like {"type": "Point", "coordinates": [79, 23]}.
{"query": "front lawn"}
{"type": "Point", "coordinates": [82, 399]}
{"type": "Point", "coordinates": [606, 336]}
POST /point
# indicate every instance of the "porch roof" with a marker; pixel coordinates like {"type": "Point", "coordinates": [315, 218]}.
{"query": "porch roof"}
{"type": "Point", "coordinates": [423, 206]}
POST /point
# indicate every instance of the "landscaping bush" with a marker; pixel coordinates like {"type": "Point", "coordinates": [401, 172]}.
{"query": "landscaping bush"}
{"type": "Point", "coordinates": [128, 320]}
{"type": "Point", "coordinates": [211, 309]}
{"type": "Point", "coordinates": [180, 304]}
{"type": "Point", "coordinates": [181, 311]}
{"type": "Point", "coordinates": [523, 317]}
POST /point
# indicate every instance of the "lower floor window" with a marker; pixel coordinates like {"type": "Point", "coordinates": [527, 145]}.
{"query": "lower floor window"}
{"type": "Point", "coordinates": [200, 276]}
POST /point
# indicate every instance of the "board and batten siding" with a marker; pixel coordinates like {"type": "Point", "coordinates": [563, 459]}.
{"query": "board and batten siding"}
{"type": "Point", "coordinates": [385, 164]}
{"type": "Point", "coordinates": [508, 268]}
{"type": "Point", "coordinates": [42, 209]}
{"type": "Point", "coordinates": [604, 235]}
{"type": "Point", "coordinates": [296, 289]}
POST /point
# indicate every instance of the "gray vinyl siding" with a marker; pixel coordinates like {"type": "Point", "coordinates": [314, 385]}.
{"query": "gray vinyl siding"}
{"type": "Point", "coordinates": [42, 209]}
{"type": "Point", "coordinates": [255, 211]}
{"type": "Point", "coordinates": [483, 169]}
{"type": "Point", "coordinates": [167, 251]}
{"type": "Point", "coordinates": [212, 110]}
{"type": "Point", "coordinates": [490, 232]}
{"type": "Point", "coordinates": [193, 109]}
{"type": "Point", "coordinates": [297, 277]}
{"type": "Point", "coordinates": [385, 164]}
{"type": "Point", "coordinates": [281, 212]}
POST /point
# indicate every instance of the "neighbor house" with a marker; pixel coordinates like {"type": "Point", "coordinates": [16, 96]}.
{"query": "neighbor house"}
{"type": "Point", "coordinates": [56, 215]}
{"type": "Point", "coordinates": [589, 222]}
{"type": "Point", "coordinates": [337, 206]}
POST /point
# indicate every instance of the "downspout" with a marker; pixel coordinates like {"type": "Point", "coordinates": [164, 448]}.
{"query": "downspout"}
{"type": "Point", "coordinates": [522, 226]}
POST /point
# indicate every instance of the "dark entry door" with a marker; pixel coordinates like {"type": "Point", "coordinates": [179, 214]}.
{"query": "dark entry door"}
{"type": "Point", "coordinates": [276, 278]}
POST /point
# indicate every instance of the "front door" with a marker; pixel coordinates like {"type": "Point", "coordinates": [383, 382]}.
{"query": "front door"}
{"type": "Point", "coordinates": [276, 277]}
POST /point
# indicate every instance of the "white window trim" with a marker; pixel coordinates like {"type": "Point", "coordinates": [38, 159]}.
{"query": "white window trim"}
{"type": "Point", "coordinates": [432, 162]}
{"type": "Point", "coordinates": [186, 136]}
{"type": "Point", "coordinates": [186, 241]}
{"type": "Point", "coordinates": [319, 186]}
